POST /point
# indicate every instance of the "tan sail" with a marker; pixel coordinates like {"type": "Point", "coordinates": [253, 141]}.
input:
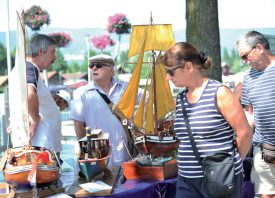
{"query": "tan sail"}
{"type": "Point", "coordinates": [148, 38]}
{"type": "Point", "coordinates": [18, 81]}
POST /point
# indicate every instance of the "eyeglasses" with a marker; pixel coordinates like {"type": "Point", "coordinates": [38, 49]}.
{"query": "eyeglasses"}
{"type": "Point", "coordinates": [97, 65]}
{"type": "Point", "coordinates": [245, 56]}
{"type": "Point", "coordinates": [170, 70]}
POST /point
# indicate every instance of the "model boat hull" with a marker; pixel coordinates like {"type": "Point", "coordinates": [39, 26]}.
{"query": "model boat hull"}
{"type": "Point", "coordinates": [132, 170]}
{"type": "Point", "coordinates": [156, 146]}
{"type": "Point", "coordinates": [30, 164]}
{"type": "Point", "coordinates": [19, 176]}
{"type": "Point", "coordinates": [93, 167]}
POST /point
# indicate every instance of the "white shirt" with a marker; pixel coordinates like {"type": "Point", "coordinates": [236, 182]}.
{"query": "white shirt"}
{"type": "Point", "coordinates": [48, 132]}
{"type": "Point", "coordinates": [89, 107]}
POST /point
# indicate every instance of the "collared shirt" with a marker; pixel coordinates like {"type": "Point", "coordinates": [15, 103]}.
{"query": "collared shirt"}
{"type": "Point", "coordinates": [48, 132]}
{"type": "Point", "coordinates": [90, 108]}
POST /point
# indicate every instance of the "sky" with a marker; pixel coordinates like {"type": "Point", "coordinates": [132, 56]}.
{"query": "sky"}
{"type": "Point", "coordinates": [94, 13]}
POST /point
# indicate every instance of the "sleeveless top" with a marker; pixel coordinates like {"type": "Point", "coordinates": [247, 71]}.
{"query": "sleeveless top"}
{"type": "Point", "coordinates": [211, 132]}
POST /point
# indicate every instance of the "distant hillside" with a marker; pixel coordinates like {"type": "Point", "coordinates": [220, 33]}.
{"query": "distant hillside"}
{"type": "Point", "coordinates": [228, 37]}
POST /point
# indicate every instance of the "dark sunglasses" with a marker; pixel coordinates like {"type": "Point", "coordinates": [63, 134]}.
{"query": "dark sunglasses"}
{"type": "Point", "coordinates": [245, 56]}
{"type": "Point", "coordinates": [97, 65]}
{"type": "Point", "coordinates": [171, 70]}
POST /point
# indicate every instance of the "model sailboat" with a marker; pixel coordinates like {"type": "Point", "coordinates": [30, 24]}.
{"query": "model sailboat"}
{"type": "Point", "coordinates": [25, 165]}
{"type": "Point", "coordinates": [153, 120]}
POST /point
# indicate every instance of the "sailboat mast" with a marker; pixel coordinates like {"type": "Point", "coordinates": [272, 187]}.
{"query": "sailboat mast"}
{"type": "Point", "coordinates": [153, 56]}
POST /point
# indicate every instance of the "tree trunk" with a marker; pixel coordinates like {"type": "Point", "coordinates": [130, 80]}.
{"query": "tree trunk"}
{"type": "Point", "coordinates": [202, 30]}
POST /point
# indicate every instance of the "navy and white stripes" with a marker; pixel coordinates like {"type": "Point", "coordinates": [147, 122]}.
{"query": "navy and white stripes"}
{"type": "Point", "coordinates": [259, 91]}
{"type": "Point", "coordinates": [210, 130]}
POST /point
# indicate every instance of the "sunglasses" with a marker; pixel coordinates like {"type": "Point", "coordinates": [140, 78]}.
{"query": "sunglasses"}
{"type": "Point", "coordinates": [245, 56]}
{"type": "Point", "coordinates": [97, 65]}
{"type": "Point", "coordinates": [171, 70]}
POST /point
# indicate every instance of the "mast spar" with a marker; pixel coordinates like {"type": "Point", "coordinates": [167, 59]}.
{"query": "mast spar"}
{"type": "Point", "coordinates": [153, 56]}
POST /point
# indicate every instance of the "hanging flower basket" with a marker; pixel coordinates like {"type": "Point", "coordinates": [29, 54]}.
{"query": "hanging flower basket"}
{"type": "Point", "coordinates": [119, 24]}
{"type": "Point", "coordinates": [102, 41]}
{"type": "Point", "coordinates": [35, 18]}
{"type": "Point", "coordinates": [62, 39]}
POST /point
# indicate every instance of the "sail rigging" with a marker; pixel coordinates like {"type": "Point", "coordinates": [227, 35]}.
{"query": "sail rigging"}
{"type": "Point", "coordinates": [148, 38]}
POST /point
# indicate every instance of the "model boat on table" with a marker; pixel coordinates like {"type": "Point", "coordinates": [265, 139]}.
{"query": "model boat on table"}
{"type": "Point", "coordinates": [27, 164]}
{"type": "Point", "coordinates": [152, 122]}
{"type": "Point", "coordinates": [94, 153]}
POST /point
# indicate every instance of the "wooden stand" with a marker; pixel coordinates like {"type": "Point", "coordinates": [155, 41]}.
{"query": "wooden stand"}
{"type": "Point", "coordinates": [133, 171]}
{"type": "Point", "coordinates": [77, 191]}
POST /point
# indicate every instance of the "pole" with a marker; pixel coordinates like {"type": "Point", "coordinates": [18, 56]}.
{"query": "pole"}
{"type": "Point", "coordinates": [88, 56]}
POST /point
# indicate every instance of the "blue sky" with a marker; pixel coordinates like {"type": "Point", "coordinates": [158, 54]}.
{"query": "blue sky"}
{"type": "Point", "coordinates": [94, 13]}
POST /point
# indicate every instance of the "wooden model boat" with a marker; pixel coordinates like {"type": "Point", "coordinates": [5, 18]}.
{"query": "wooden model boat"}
{"type": "Point", "coordinates": [152, 122]}
{"type": "Point", "coordinates": [94, 153]}
{"type": "Point", "coordinates": [22, 164]}
{"type": "Point", "coordinates": [25, 165]}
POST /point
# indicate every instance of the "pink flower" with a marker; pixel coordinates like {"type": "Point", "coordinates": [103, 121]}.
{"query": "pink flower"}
{"type": "Point", "coordinates": [102, 41]}
{"type": "Point", "coordinates": [62, 39]}
{"type": "Point", "coordinates": [118, 23]}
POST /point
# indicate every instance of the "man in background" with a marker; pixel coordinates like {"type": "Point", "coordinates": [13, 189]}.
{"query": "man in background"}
{"type": "Point", "coordinates": [258, 90]}
{"type": "Point", "coordinates": [44, 115]}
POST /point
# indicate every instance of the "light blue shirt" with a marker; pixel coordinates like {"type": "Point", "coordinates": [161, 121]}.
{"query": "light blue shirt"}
{"type": "Point", "coordinates": [89, 107]}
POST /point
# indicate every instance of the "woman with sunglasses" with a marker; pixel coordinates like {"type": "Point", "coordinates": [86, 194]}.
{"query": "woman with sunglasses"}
{"type": "Point", "coordinates": [214, 116]}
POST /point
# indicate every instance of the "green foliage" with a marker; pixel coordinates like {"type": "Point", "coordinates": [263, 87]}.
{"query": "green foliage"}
{"type": "Point", "coordinates": [145, 67]}
{"type": "Point", "coordinates": [74, 67]}
{"type": "Point", "coordinates": [233, 60]}
{"type": "Point", "coordinates": [3, 59]}
{"type": "Point", "coordinates": [60, 64]}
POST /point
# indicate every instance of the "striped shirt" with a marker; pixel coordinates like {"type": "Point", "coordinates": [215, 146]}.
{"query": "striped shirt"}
{"type": "Point", "coordinates": [210, 130]}
{"type": "Point", "coordinates": [259, 91]}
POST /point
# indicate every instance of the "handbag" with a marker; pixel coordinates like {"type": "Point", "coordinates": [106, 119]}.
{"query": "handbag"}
{"type": "Point", "coordinates": [268, 153]}
{"type": "Point", "coordinates": [218, 168]}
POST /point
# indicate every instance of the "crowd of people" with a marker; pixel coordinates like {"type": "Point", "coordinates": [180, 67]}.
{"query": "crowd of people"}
{"type": "Point", "coordinates": [219, 119]}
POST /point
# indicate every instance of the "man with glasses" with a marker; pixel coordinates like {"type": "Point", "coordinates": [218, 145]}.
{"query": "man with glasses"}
{"type": "Point", "coordinates": [258, 92]}
{"type": "Point", "coordinates": [90, 109]}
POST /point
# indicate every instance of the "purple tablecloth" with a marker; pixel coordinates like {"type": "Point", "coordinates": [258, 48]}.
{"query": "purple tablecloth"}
{"type": "Point", "coordinates": [145, 189]}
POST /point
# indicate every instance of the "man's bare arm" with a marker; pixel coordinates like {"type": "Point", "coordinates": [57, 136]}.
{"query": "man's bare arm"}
{"type": "Point", "coordinates": [33, 107]}
{"type": "Point", "coordinates": [79, 128]}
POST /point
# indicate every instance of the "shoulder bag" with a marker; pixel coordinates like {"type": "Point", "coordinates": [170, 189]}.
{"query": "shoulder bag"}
{"type": "Point", "coordinates": [268, 153]}
{"type": "Point", "coordinates": [218, 168]}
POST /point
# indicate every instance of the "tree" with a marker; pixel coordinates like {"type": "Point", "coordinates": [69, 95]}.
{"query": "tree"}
{"type": "Point", "coordinates": [202, 30]}
{"type": "Point", "coordinates": [3, 59]}
{"type": "Point", "coordinates": [59, 64]}
{"type": "Point", "coordinates": [233, 60]}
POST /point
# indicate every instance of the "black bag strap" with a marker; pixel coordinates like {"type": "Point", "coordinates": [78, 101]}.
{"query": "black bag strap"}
{"type": "Point", "coordinates": [105, 98]}
{"type": "Point", "coordinates": [125, 127]}
{"type": "Point", "coordinates": [193, 144]}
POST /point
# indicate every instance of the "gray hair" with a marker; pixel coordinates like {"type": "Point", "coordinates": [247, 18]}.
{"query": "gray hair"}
{"type": "Point", "coordinates": [251, 39]}
{"type": "Point", "coordinates": [39, 41]}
